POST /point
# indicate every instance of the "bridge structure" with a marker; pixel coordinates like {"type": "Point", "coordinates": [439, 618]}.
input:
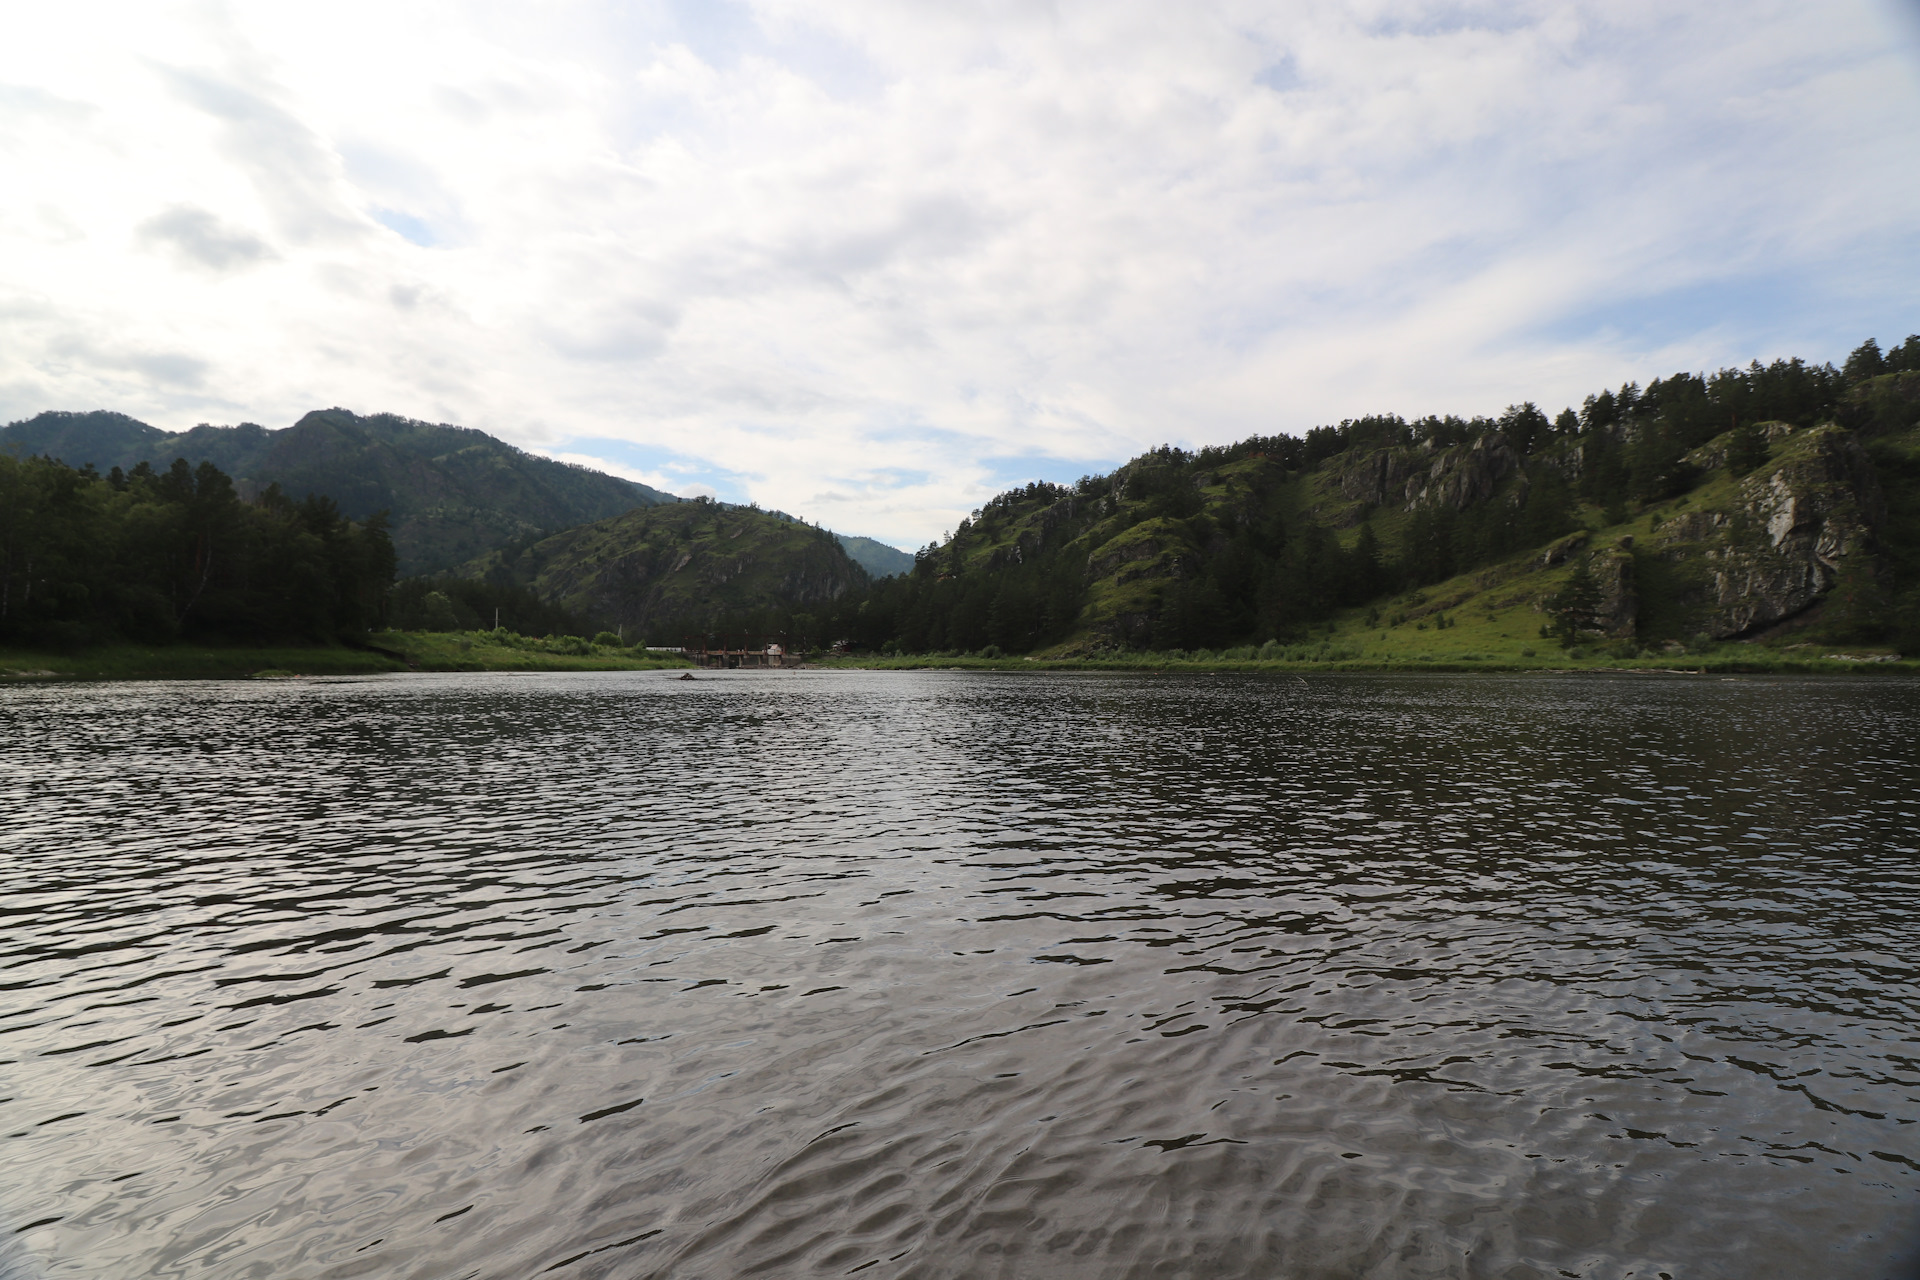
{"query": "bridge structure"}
{"type": "Point", "coordinates": [729, 652]}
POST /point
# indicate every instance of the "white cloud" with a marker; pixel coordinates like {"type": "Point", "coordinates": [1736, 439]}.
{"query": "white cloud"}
{"type": "Point", "coordinates": [199, 239]}
{"type": "Point", "coordinates": [870, 262]}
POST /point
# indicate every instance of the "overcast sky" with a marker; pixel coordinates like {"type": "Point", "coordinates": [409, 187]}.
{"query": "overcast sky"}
{"type": "Point", "coordinates": [873, 262]}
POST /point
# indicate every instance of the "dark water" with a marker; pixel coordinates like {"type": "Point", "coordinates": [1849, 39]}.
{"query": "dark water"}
{"type": "Point", "coordinates": [945, 975]}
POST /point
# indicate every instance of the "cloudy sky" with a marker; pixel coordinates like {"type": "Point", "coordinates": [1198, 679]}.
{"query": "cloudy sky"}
{"type": "Point", "coordinates": [873, 262]}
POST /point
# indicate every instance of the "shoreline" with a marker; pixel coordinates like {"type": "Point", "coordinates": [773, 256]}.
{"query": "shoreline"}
{"type": "Point", "coordinates": [1665, 665]}
{"type": "Point", "coordinates": [400, 652]}
{"type": "Point", "coordinates": [386, 653]}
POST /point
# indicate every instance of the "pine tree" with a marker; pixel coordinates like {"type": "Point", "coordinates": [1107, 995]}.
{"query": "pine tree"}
{"type": "Point", "coordinates": [1575, 607]}
{"type": "Point", "coordinates": [1747, 449]}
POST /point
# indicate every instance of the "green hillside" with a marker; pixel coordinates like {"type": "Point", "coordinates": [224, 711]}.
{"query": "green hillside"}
{"type": "Point", "coordinates": [666, 572]}
{"type": "Point", "coordinates": [877, 558]}
{"type": "Point", "coordinates": [1778, 503]}
{"type": "Point", "coordinates": [452, 493]}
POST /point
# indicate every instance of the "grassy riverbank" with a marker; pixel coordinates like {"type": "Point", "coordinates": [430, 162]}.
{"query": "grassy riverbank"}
{"type": "Point", "coordinates": [399, 651]}
{"type": "Point", "coordinates": [1725, 659]}
{"type": "Point", "coordinates": [386, 651]}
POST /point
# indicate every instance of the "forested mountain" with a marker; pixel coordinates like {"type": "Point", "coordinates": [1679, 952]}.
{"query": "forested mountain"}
{"type": "Point", "coordinates": [158, 555]}
{"type": "Point", "coordinates": [451, 493]}
{"type": "Point", "coordinates": [877, 558]}
{"type": "Point", "coordinates": [1696, 506]}
{"type": "Point", "coordinates": [662, 573]}
{"type": "Point", "coordinates": [1693, 509]}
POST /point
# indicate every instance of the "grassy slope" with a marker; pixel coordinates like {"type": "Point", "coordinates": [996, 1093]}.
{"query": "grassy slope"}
{"type": "Point", "coordinates": [1493, 612]}
{"type": "Point", "coordinates": [398, 651]}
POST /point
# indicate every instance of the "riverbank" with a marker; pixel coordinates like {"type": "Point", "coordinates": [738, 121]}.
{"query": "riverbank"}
{"type": "Point", "coordinates": [1750, 662]}
{"type": "Point", "coordinates": [398, 651]}
{"type": "Point", "coordinates": [387, 651]}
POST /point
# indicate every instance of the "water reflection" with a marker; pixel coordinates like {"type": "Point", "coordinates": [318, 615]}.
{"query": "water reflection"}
{"type": "Point", "coordinates": [948, 975]}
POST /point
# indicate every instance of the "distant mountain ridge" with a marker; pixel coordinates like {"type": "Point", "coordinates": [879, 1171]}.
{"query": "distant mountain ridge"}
{"type": "Point", "coordinates": [877, 558]}
{"type": "Point", "coordinates": [453, 493]}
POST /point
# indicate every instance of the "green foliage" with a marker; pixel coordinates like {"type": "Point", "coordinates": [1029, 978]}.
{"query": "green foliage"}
{"type": "Point", "coordinates": [1857, 610]}
{"type": "Point", "coordinates": [1575, 608]}
{"type": "Point", "coordinates": [451, 493]}
{"type": "Point", "coordinates": [1885, 404]}
{"type": "Point", "coordinates": [473, 605]}
{"type": "Point", "coordinates": [1746, 448]}
{"type": "Point", "coordinates": [1182, 551]}
{"type": "Point", "coordinates": [686, 571]}
{"type": "Point", "coordinates": [436, 613]}
{"type": "Point", "coordinates": [157, 555]}
{"type": "Point", "coordinates": [877, 558]}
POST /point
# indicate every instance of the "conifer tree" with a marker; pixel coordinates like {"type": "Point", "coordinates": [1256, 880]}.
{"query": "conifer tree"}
{"type": "Point", "coordinates": [1747, 449]}
{"type": "Point", "coordinates": [1575, 608]}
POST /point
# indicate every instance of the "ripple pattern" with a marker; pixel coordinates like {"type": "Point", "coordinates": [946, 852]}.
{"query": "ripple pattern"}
{"type": "Point", "coordinates": [944, 975]}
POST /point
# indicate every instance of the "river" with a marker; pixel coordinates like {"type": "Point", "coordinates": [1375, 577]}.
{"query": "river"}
{"type": "Point", "coordinates": [946, 974]}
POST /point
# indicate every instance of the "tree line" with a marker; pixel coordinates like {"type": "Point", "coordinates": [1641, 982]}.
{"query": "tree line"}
{"type": "Point", "coordinates": [1273, 571]}
{"type": "Point", "coordinates": [154, 556]}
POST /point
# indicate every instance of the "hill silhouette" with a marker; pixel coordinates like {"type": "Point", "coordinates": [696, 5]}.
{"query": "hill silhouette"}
{"type": "Point", "coordinates": [452, 493]}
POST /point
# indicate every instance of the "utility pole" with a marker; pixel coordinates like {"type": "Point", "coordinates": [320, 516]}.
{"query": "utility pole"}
{"type": "Point", "coordinates": [496, 617]}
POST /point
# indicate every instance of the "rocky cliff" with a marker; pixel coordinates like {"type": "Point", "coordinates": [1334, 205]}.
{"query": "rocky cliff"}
{"type": "Point", "coordinates": [1755, 552]}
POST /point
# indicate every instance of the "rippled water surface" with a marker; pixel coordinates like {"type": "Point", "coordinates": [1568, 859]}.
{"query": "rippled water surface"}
{"type": "Point", "coordinates": [946, 974]}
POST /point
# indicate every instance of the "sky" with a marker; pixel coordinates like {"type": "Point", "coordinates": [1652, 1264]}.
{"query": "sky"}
{"type": "Point", "coordinates": [871, 263]}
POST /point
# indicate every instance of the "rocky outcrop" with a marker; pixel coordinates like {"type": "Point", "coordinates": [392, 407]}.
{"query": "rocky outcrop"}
{"type": "Point", "coordinates": [1557, 552]}
{"type": "Point", "coordinates": [1413, 477]}
{"type": "Point", "coordinates": [1612, 570]}
{"type": "Point", "coordinates": [1780, 547]}
{"type": "Point", "coordinates": [1464, 474]}
{"type": "Point", "coordinates": [1379, 477]}
{"type": "Point", "coordinates": [1712, 456]}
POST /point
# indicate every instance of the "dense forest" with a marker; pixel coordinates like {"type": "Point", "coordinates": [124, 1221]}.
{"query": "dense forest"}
{"type": "Point", "coordinates": [1756, 493]}
{"type": "Point", "coordinates": [1267, 538]}
{"type": "Point", "coordinates": [154, 556]}
{"type": "Point", "coordinates": [450, 493]}
{"type": "Point", "coordinates": [447, 602]}
{"type": "Point", "coordinates": [671, 573]}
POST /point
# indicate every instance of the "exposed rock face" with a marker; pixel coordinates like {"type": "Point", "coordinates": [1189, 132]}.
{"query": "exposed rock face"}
{"type": "Point", "coordinates": [1780, 548]}
{"type": "Point", "coordinates": [1379, 477]}
{"type": "Point", "coordinates": [1455, 478]}
{"type": "Point", "coordinates": [1464, 474]}
{"type": "Point", "coordinates": [1612, 569]}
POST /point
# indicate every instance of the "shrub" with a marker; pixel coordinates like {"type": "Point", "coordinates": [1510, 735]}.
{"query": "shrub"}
{"type": "Point", "coordinates": [607, 640]}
